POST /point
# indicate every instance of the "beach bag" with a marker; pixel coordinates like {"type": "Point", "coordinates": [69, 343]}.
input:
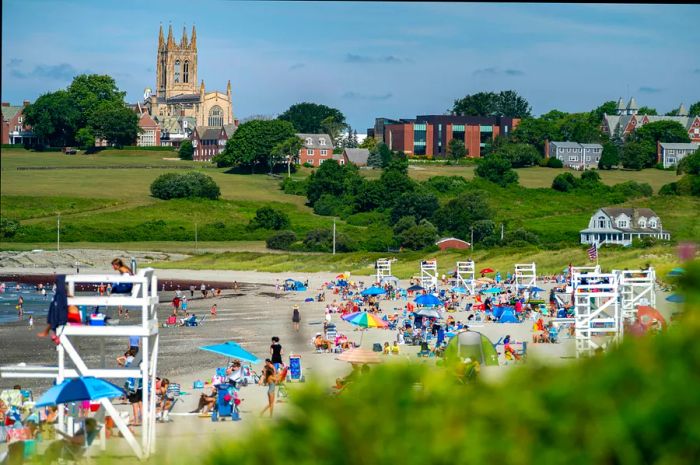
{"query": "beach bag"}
{"type": "Point", "coordinates": [377, 347]}
{"type": "Point", "coordinates": [198, 385]}
{"type": "Point", "coordinates": [122, 288]}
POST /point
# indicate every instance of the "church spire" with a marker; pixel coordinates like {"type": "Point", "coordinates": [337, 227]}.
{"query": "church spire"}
{"type": "Point", "coordinates": [161, 41]}
{"type": "Point", "coordinates": [193, 42]}
{"type": "Point", "coordinates": [171, 43]}
{"type": "Point", "coordinates": [201, 89]}
{"type": "Point", "coordinates": [183, 41]}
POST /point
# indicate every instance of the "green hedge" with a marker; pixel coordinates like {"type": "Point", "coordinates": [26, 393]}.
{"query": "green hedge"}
{"type": "Point", "coordinates": [148, 149]}
{"type": "Point", "coordinates": [13, 146]}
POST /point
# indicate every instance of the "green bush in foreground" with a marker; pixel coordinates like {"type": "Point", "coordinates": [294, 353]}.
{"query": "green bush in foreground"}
{"type": "Point", "coordinates": [269, 218]}
{"type": "Point", "coordinates": [281, 240]}
{"type": "Point", "coordinates": [193, 184]}
{"type": "Point", "coordinates": [635, 405]}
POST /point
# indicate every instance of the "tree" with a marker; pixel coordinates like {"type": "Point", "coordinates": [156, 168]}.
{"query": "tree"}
{"type": "Point", "coordinates": [519, 155]}
{"type": "Point", "coordinates": [505, 103]}
{"type": "Point", "coordinates": [419, 236]}
{"type": "Point", "coordinates": [186, 151]}
{"type": "Point", "coordinates": [85, 138]}
{"type": "Point", "coordinates": [54, 118]}
{"type": "Point", "coordinates": [457, 216]}
{"type": "Point", "coordinates": [673, 112]}
{"type": "Point", "coordinates": [419, 204]}
{"type": "Point", "coordinates": [553, 115]}
{"type": "Point", "coordinates": [589, 178]}
{"type": "Point", "coordinates": [610, 156]}
{"type": "Point", "coordinates": [374, 159]}
{"type": "Point", "coordinates": [114, 122]}
{"type": "Point", "coordinates": [90, 91]}
{"type": "Point", "coordinates": [607, 108]}
{"type": "Point", "coordinates": [333, 179]}
{"type": "Point", "coordinates": [647, 111]}
{"type": "Point", "coordinates": [269, 218]}
{"type": "Point", "coordinates": [368, 143]}
{"type": "Point", "coordinates": [308, 117]}
{"type": "Point", "coordinates": [456, 149]}
{"type": "Point", "coordinates": [497, 170]}
{"type": "Point", "coordinates": [690, 164]}
{"type": "Point", "coordinates": [281, 240]}
{"type": "Point", "coordinates": [638, 155]}
{"type": "Point", "coordinates": [334, 127]}
{"type": "Point", "coordinates": [253, 143]}
{"type": "Point", "coordinates": [553, 162]}
{"type": "Point", "coordinates": [535, 131]}
{"type": "Point", "coordinates": [694, 109]}
{"type": "Point", "coordinates": [371, 195]}
{"type": "Point", "coordinates": [578, 127]}
{"type": "Point", "coordinates": [647, 136]}
{"type": "Point", "coordinates": [287, 150]}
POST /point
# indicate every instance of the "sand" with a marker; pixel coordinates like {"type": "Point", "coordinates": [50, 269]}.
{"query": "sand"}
{"type": "Point", "coordinates": [249, 316]}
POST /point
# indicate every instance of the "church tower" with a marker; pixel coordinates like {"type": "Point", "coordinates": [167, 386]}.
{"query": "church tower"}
{"type": "Point", "coordinates": [176, 65]}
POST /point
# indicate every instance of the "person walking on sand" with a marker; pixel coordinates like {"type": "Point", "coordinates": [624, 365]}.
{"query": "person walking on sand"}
{"type": "Point", "coordinates": [276, 352]}
{"type": "Point", "coordinates": [20, 306]}
{"type": "Point", "coordinates": [296, 318]}
{"type": "Point", "coordinates": [268, 378]}
{"type": "Point", "coordinates": [191, 290]}
{"type": "Point", "coordinates": [31, 322]}
{"type": "Point", "coordinates": [203, 288]}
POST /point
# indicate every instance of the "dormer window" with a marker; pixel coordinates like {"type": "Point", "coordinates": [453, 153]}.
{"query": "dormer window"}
{"type": "Point", "coordinates": [309, 141]}
{"type": "Point", "coordinates": [322, 141]}
{"type": "Point", "coordinates": [642, 222]}
{"type": "Point", "coordinates": [622, 223]}
{"type": "Point", "coordinates": [653, 224]}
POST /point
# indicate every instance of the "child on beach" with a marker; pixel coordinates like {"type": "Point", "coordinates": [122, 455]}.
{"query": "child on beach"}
{"type": "Point", "coordinates": [213, 311]}
{"type": "Point", "coordinates": [31, 321]}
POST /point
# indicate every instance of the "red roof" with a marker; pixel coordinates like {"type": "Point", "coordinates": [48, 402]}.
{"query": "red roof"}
{"type": "Point", "coordinates": [147, 122]}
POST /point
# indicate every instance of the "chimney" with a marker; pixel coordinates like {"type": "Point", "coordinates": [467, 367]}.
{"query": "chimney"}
{"type": "Point", "coordinates": [658, 151]}
{"type": "Point", "coordinates": [546, 149]}
{"type": "Point", "coordinates": [25, 103]}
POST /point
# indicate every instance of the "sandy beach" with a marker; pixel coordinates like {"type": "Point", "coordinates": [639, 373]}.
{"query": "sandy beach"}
{"type": "Point", "coordinates": [249, 316]}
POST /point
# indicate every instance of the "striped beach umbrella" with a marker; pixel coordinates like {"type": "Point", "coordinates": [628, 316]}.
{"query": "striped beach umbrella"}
{"type": "Point", "coordinates": [365, 320]}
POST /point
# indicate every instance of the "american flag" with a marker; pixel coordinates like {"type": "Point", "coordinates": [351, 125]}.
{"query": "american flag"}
{"type": "Point", "coordinates": [593, 252]}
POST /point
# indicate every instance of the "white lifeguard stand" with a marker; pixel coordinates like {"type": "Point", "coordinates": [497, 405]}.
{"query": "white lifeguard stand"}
{"type": "Point", "coordinates": [465, 275]}
{"type": "Point", "coordinates": [636, 288]}
{"type": "Point", "coordinates": [383, 267]}
{"type": "Point", "coordinates": [428, 273]}
{"type": "Point", "coordinates": [525, 275]}
{"type": "Point", "coordinates": [597, 312]}
{"type": "Point", "coordinates": [144, 294]}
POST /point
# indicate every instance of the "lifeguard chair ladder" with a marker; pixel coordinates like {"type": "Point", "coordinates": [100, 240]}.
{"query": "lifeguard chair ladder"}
{"type": "Point", "coordinates": [144, 294]}
{"type": "Point", "coordinates": [465, 276]}
{"type": "Point", "coordinates": [636, 288]}
{"type": "Point", "coordinates": [525, 275]}
{"type": "Point", "coordinates": [428, 273]}
{"type": "Point", "coordinates": [597, 311]}
{"type": "Point", "coordinates": [383, 267]}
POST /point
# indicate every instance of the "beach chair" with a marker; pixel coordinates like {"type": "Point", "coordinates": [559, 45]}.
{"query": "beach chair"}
{"type": "Point", "coordinates": [172, 394]}
{"type": "Point", "coordinates": [195, 321]}
{"type": "Point", "coordinates": [170, 322]}
{"type": "Point", "coordinates": [331, 332]}
{"type": "Point", "coordinates": [225, 403]}
{"type": "Point", "coordinates": [553, 335]}
{"type": "Point", "coordinates": [424, 350]}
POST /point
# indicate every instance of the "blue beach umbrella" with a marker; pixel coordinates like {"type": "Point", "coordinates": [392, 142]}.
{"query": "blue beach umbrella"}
{"type": "Point", "coordinates": [537, 289]}
{"type": "Point", "coordinates": [493, 290]}
{"type": "Point", "coordinates": [459, 290]}
{"type": "Point", "coordinates": [676, 272]}
{"type": "Point", "coordinates": [78, 389]}
{"type": "Point", "coordinates": [427, 300]}
{"type": "Point", "coordinates": [232, 350]}
{"type": "Point", "coordinates": [676, 298]}
{"type": "Point", "coordinates": [415, 288]}
{"type": "Point", "coordinates": [374, 290]}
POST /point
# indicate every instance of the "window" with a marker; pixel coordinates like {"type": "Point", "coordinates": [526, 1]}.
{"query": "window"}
{"type": "Point", "coordinates": [322, 141]}
{"type": "Point", "coordinates": [622, 223]}
{"type": "Point", "coordinates": [652, 223]}
{"type": "Point", "coordinates": [216, 116]}
{"type": "Point", "coordinates": [458, 132]}
{"type": "Point", "coordinates": [419, 138]}
{"type": "Point", "coordinates": [309, 141]}
{"type": "Point", "coordinates": [601, 222]}
{"type": "Point", "coordinates": [186, 72]}
{"type": "Point", "coordinates": [310, 152]}
{"type": "Point", "coordinates": [642, 222]}
{"type": "Point", "coordinates": [19, 120]}
{"type": "Point", "coordinates": [324, 151]}
{"type": "Point", "coordinates": [573, 158]}
{"type": "Point", "coordinates": [177, 71]}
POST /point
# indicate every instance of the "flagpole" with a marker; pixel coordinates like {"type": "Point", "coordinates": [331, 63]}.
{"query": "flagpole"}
{"type": "Point", "coordinates": [596, 254]}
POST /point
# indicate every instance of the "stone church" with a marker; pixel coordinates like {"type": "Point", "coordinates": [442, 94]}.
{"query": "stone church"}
{"type": "Point", "coordinates": [178, 98]}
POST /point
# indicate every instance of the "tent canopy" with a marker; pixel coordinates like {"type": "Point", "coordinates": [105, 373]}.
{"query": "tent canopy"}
{"type": "Point", "coordinates": [474, 345]}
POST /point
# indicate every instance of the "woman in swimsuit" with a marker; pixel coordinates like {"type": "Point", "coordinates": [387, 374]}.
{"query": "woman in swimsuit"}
{"type": "Point", "coordinates": [268, 378]}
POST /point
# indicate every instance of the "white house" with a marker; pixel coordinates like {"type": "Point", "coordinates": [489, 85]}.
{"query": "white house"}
{"type": "Point", "coordinates": [575, 155]}
{"type": "Point", "coordinates": [670, 154]}
{"type": "Point", "coordinates": [621, 225]}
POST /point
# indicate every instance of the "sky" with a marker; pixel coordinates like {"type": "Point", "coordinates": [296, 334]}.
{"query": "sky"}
{"type": "Point", "coordinates": [369, 60]}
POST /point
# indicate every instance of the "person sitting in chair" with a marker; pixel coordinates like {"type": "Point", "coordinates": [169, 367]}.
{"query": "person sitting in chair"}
{"type": "Point", "coordinates": [207, 400]}
{"type": "Point", "coordinates": [71, 444]}
{"type": "Point", "coordinates": [321, 343]}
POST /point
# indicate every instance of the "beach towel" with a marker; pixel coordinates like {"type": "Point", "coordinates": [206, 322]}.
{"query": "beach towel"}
{"type": "Point", "coordinates": [58, 309]}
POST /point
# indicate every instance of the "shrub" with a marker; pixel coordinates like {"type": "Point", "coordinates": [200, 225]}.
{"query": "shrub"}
{"type": "Point", "coordinates": [554, 163]}
{"type": "Point", "coordinates": [590, 177]}
{"type": "Point", "coordinates": [307, 165]}
{"type": "Point", "coordinates": [8, 227]}
{"type": "Point", "coordinates": [447, 184]}
{"type": "Point", "coordinates": [633, 189]}
{"type": "Point", "coordinates": [321, 240]}
{"type": "Point", "coordinates": [418, 236]}
{"type": "Point", "coordinates": [519, 236]}
{"type": "Point", "coordinates": [294, 187]}
{"type": "Point", "coordinates": [193, 184]}
{"type": "Point", "coordinates": [328, 205]}
{"type": "Point", "coordinates": [669, 189]}
{"type": "Point", "coordinates": [564, 182]}
{"type": "Point", "coordinates": [281, 240]}
{"type": "Point", "coordinates": [497, 170]}
{"type": "Point", "coordinates": [269, 218]}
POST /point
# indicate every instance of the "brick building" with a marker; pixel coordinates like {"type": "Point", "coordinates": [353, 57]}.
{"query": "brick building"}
{"type": "Point", "coordinates": [627, 120]}
{"type": "Point", "coordinates": [317, 148]}
{"type": "Point", "coordinates": [14, 131]}
{"type": "Point", "coordinates": [430, 135]}
{"type": "Point", "coordinates": [150, 132]}
{"type": "Point", "coordinates": [208, 142]}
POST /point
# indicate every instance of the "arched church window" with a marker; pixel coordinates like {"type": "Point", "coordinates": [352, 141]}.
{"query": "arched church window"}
{"type": "Point", "coordinates": [177, 71]}
{"type": "Point", "coordinates": [216, 116]}
{"type": "Point", "coordinates": [186, 72]}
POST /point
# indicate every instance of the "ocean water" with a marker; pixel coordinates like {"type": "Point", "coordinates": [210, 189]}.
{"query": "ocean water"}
{"type": "Point", "coordinates": [34, 303]}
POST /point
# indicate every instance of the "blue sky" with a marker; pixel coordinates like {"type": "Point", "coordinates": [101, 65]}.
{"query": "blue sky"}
{"type": "Point", "coordinates": [367, 59]}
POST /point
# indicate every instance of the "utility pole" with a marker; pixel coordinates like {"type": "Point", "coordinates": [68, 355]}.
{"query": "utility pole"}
{"type": "Point", "coordinates": [195, 236]}
{"type": "Point", "coordinates": [58, 233]}
{"type": "Point", "coordinates": [333, 236]}
{"type": "Point", "coordinates": [501, 231]}
{"type": "Point", "coordinates": [472, 244]}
